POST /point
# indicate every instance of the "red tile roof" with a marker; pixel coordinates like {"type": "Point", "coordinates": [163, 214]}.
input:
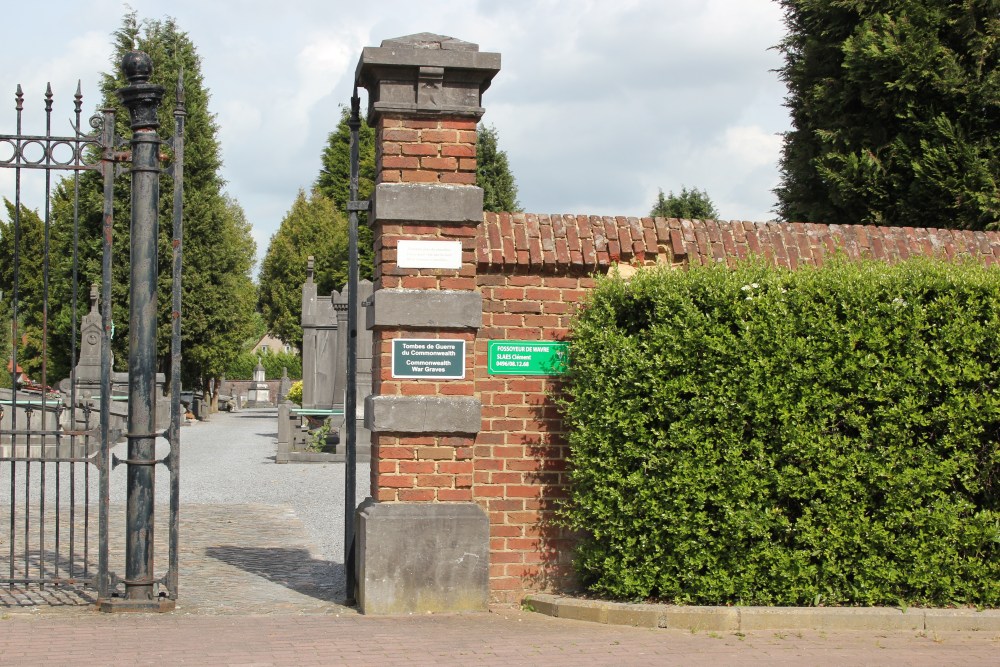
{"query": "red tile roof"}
{"type": "Point", "coordinates": [573, 243]}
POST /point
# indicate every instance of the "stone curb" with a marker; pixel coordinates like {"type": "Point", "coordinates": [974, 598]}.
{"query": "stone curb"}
{"type": "Point", "coordinates": [743, 619]}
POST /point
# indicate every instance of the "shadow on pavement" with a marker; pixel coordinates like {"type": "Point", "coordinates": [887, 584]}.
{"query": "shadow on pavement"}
{"type": "Point", "coordinates": [295, 569]}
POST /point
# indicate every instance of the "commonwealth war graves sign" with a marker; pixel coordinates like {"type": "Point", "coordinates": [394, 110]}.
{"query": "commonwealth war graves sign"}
{"type": "Point", "coordinates": [428, 359]}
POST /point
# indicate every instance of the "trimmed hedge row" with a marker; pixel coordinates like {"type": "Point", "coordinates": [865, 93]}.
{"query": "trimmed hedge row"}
{"type": "Point", "coordinates": [273, 362]}
{"type": "Point", "coordinates": [760, 436]}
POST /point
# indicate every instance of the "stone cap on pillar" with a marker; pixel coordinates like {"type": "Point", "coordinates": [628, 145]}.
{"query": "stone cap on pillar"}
{"type": "Point", "coordinates": [426, 75]}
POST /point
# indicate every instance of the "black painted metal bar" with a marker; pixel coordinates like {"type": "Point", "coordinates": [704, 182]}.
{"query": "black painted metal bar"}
{"type": "Point", "coordinates": [46, 240]}
{"type": "Point", "coordinates": [142, 99]}
{"type": "Point", "coordinates": [351, 398]}
{"type": "Point", "coordinates": [42, 544]}
{"type": "Point", "coordinates": [104, 458]}
{"type": "Point", "coordinates": [174, 436]}
{"type": "Point", "coordinates": [15, 297]}
{"type": "Point", "coordinates": [74, 290]}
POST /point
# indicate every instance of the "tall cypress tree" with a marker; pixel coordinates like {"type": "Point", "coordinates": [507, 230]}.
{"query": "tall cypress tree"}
{"type": "Point", "coordinates": [218, 292]}
{"type": "Point", "coordinates": [493, 174]}
{"type": "Point", "coordinates": [28, 329]}
{"type": "Point", "coordinates": [314, 226]}
{"type": "Point", "coordinates": [895, 110]}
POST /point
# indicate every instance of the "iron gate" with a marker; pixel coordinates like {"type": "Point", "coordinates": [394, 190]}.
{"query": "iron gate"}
{"type": "Point", "coordinates": [55, 443]}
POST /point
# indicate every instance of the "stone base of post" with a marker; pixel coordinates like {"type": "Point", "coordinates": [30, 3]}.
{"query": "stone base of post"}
{"type": "Point", "coordinates": [124, 606]}
{"type": "Point", "coordinates": [422, 557]}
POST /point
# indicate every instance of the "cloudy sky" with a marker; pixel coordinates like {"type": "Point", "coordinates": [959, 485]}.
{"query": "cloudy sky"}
{"type": "Point", "coordinates": [598, 104]}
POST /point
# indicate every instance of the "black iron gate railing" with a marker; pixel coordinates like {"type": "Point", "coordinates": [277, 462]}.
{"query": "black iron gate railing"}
{"type": "Point", "coordinates": [55, 441]}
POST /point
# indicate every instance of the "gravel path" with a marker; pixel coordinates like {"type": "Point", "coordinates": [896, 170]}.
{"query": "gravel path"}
{"type": "Point", "coordinates": [229, 460]}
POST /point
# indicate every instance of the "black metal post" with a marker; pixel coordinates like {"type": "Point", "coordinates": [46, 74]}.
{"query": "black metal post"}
{"type": "Point", "coordinates": [177, 171]}
{"type": "Point", "coordinates": [351, 399]}
{"type": "Point", "coordinates": [107, 232]}
{"type": "Point", "coordinates": [142, 99]}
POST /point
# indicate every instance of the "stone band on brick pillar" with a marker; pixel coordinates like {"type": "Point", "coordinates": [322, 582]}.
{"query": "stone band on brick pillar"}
{"type": "Point", "coordinates": [422, 543]}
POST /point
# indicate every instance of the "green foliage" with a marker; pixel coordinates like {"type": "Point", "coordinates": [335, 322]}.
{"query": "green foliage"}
{"type": "Point", "coordinates": [895, 112]}
{"type": "Point", "coordinates": [758, 436]}
{"type": "Point", "coordinates": [334, 178]}
{"type": "Point", "coordinates": [693, 204]}
{"type": "Point", "coordinates": [241, 368]}
{"type": "Point", "coordinates": [218, 292]}
{"type": "Point", "coordinates": [334, 182]}
{"type": "Point", "coordinates": [493, 174]}
{"type": "Point", "coordinates": [295, 393]}
{"type": "Point", "coordinates": [317, 224]}
{"type": "Point", "coordinates": [318, 435]}
{"type": "Point", "coordinates": [5, 342]}
{"type": "Point", "coordinates": [314, 226]}
{"type": "Point", "coordinates": [30, 243]}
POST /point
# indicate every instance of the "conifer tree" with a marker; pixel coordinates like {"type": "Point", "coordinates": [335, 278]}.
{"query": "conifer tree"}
{"type": "Point", "coordinates": [29, 325]}
{"type": "Point", "coordinates": [313, 226]}
{"type": "Point", "coordinates": [493, 174]}
{"type": "Point", "coordinates": [317, 224]}
{"type": "Point", "coordinates": [218, 292]}
{"type": "Point", "coordinates": [693, 204]}
{"type": "Point", "coordinates": [895, 112]}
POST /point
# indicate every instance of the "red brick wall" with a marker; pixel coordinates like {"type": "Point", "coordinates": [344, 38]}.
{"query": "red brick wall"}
{"type": "Point", "coordinates": [520, 453]}
{"type": "Point", "coordinates": [533, 271]}
{"type": "Point", "coordinates": [426, 151]}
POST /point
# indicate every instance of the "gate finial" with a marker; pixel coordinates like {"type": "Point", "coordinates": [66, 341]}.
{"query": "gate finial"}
{"type": "Point", "coordinates": [140, 97]}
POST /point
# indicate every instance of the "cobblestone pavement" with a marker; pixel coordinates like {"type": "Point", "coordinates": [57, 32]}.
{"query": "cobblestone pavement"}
{"type": "Point", "coordinates": [503, 637]}
{"type": "Point", "coordinates": [260, 582]}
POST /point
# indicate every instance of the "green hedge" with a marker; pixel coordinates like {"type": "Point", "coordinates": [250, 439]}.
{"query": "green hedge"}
{"type": "Point", "coordinates": [759, 436]}
{"type": "Point", "coordinates": [273, 362]}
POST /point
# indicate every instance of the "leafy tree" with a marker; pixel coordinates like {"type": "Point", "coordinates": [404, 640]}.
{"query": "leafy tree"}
{"type": "Point", "coordinates": [693, 204]}
{"type": "Point", "coordinates": [334, 180]}
{"type": "Point", "coordinates": [5, 341]}
{"type": "Point", "coordinates": [29, 326]}
{"type": "Point", "coordinates": [895, 110]}
{"type": "Point", "coordinates": [313, 226]}
{"type": "Point", "coordinates": [493, 174]}
{"type": "Point", "coordinates": [317, 224]}
{"type": "Point", "coordinates": [334, 183]}
{"type": "Point", "coordinates": [218, 292]}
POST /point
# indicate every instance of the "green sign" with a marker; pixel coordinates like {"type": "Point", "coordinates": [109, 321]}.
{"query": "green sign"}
{"type": "Point", "coordinates": [526, 357]}
{"type": "Point", "coordinates": [432, 359]}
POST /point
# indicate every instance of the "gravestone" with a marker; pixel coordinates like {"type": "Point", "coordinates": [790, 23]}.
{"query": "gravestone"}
{"type": "Point", "coordinates": [364, 372]}
{"type": "Point", "coordinates": [88, 368]}
{"type": "Point", "coordinates": [259, 394]}
{"type": "Point", "coordinates": [319, 344]}
{"type": "Point", "coordinates": [284, 385]}
{"type": "Point", "coordinates": [324, 374]}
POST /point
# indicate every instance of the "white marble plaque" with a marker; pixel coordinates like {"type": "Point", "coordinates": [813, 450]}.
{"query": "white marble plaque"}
{"type": "Point", "coordinates": [429, 254]}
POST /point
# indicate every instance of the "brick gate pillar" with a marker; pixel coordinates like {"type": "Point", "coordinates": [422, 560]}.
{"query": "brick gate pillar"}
{"type": "Point", "coordinates": [422, 544]}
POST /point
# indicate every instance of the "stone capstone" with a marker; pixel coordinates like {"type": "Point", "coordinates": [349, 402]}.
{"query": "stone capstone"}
{"type": "Point", "coordinates": [422, 202]}
{"type": "Point", "coordinates": [440, 309]}
{"type": "Point", "coordinates": [423, 414]}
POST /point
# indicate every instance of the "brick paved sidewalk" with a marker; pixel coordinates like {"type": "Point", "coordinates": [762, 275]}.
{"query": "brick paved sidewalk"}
{"type": "Point", "coordinates": [503, 637]}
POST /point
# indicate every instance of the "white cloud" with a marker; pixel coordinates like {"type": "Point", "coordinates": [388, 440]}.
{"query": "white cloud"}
{"type": "Point", "coordinates": [597, 103]}
{"type": "Point", "coordinates": [751, 145]}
